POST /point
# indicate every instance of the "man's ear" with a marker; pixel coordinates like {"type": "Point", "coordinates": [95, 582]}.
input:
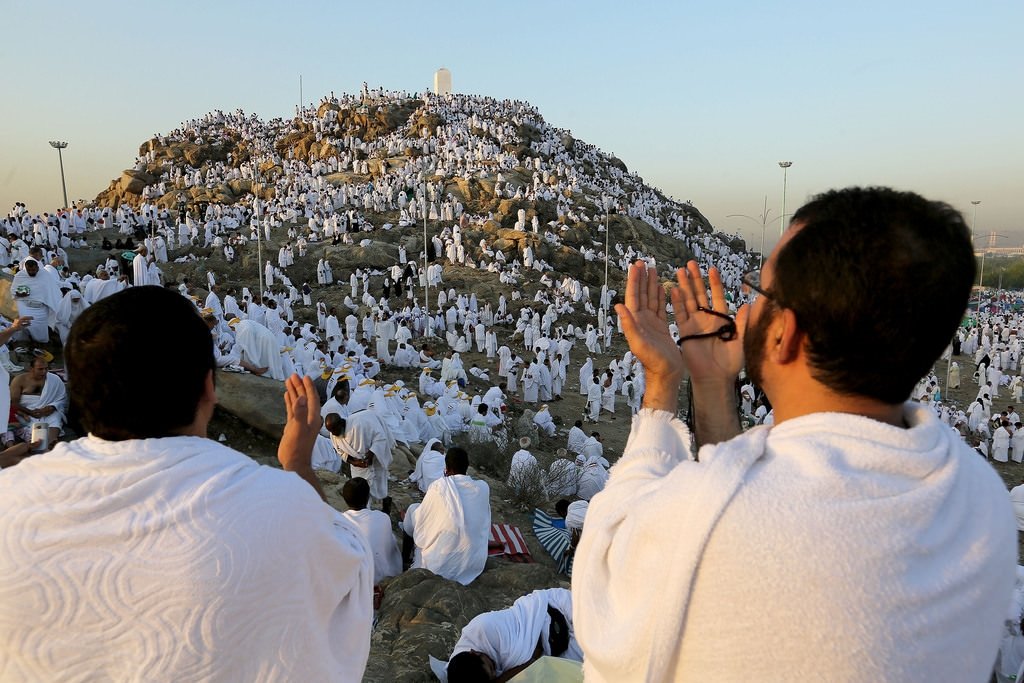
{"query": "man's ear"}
{"type": "Point", "coordinates": [787, 336]}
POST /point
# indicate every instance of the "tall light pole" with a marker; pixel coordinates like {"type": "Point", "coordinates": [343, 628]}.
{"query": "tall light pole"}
{"type": "Point", "coordinates": [763, 222]}
{"type": "Point", "coordinates": [60, 145]}
{"type": "Point", "coordinates": [974, 220]}
{"type": "Point", "coordinates": [259, 237]}
{"type": "Point", "coordinates": [427, 331]}
{"type": "Point", "coordinates": [607, 233]}
{"type": "Point", "coordinates": [784, 165]}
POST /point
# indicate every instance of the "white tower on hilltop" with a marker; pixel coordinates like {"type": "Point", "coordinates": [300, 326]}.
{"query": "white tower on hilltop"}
{"type": "Point", "coordinates": [442, 82]}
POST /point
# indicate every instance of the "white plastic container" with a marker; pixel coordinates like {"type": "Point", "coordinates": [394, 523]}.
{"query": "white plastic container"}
{"type": "Point", "coordinates": [40, 433]}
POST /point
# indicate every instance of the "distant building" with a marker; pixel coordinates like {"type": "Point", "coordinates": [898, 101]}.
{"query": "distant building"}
{"type": "Point", "coordinates": [1000, 251]}
{"type": "Point", "coordinates": [442, 81]}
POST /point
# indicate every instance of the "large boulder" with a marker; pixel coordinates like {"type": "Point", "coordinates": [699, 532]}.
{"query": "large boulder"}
{"type": "Point", "coordinates": [133, 182]}
{"type": "Point", "coordinates": [254, 400]}
{"type": "Point", "coordinates": [377, 254]}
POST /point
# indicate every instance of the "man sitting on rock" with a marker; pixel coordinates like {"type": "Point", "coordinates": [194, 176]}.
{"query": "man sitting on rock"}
{"type": "Point", "coordinates": [376, 527]}
{"type": "Point", "coordinates": [39, 396]}
{"type": "Point", "coordinates": [545, 423]}
{"type": "Point", "coordinates": [452, 525]}
{"type": "Point", "coordinates": [495, 646]}
{"type": "Point", "coordinates": [234, 570]}
{"type": "Point", "coordinates": [430, 465]}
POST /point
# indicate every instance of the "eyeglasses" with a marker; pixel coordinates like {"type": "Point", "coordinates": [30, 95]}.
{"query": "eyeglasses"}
{"type": "Point", "coordinates": [752, 280]}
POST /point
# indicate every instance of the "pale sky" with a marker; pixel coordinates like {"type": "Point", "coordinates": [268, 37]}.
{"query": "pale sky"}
{"type": "Point", "coordinates": [702, 99]}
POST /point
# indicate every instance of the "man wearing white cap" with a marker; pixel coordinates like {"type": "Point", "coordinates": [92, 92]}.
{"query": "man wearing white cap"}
{"type": "Point", "coordinates": [71, 306]}
{"type": "Point", "coordinates": [37, 296]}
{"type": "Point", "coordinates": [545, 423]}
{"type": "Point", "coordinates": [524, 463]}
{"type": "Point", "coordinates": [429, 466]}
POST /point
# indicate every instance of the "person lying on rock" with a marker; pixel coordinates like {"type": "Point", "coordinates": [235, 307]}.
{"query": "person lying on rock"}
{"type": "Point", "coordinates": [495, 646]}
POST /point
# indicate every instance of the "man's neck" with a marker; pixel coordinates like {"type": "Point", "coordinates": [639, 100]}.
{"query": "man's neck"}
{"type": "Point", "coordinates": [826, 401]}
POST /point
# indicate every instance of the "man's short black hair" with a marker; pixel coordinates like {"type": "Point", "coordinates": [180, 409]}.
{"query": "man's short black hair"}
{"type": "Point", "coordinates": [335, 424]}
{"type": "Point", "coordinates": [356, 493]}
{"type": "Point", "coordinates": [870, 269]}
{"type": "Point", "coordinates": [137, 364]}
{"type": "Point", "coordinates": [467, 667]}
{"type": "Point", "coordinates": [456, 460]}
{"type": "Point", "coordinates": [341, 389]}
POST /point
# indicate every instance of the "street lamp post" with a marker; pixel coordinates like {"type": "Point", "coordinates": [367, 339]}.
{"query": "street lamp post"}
{"type": "Point", "coordinates": [784, 165]}
{"type": "Point", "coordinates": [259, 237]}
{"type": "Point", "coordinates": [974, 227]}
{"type": "Point", "coordinates": [60, 145]}
{"type": "Point", "coordinates": [426, 284]}
{"type": "Point", "coordinates": [974, 220]}
{"type": "Point", "coordinates": [763, 222]}
{"type": "Point", "coordinates": [607, 232]}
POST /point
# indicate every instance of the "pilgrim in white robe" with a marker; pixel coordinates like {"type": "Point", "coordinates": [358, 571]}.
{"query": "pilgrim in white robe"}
{"type": "Point", "coordinates": [1000, 444]}
{"type": "Point", "coordinates": [53, 394]}
{"type": "Point", "coordinates": [364, 432]}
{"type": "Point", "coordinates": [451, 528]}
{"type": "Point", "coordinates": [71, 306]}
{"type": "Point", "coordinates": [510, 636]}
{"type": "Point", "coordinates": [1017, 445]}
{"type": "Point", "coordinates": [196, 533]}
{"type": "Point", "coordinates": [531, 383]}
{"type": "Point", "coordinates": [376, 527]}
{"type": "Point", "coordinates": [907, 516]}
{"type": "Point", "coordinates": [37, 297]}
{"type": "Point", "coordinates": [140, 271]}
{"type": "Point", "coordinates": [545, 423]}
{"type": "Point", "coordinates": [258, 345]}
{"type": "Point", "coordinates": [429, 466]}
{"type": "Point", "coordinates": [594, 396]}
{"type": "Point", "coordinates": [577, 440]}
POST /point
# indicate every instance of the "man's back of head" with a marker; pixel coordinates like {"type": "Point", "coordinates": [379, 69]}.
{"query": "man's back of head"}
{"type": "Point", "coordinates": [456, 461]}
{"type": "Point", "coordinates": [356, 493]}
{"type": "Point", "coordinates": [137, 362]}
{"type": "Point", "coordinates": [469, 667]}
{"type": "Point", "coordinates": [335, 424]}
{"type": "Point", "coordinates": [879, 281]}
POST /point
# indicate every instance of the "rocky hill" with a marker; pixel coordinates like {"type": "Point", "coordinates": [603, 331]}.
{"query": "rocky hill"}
{"type": "Point", "coordinates": [499, 162]}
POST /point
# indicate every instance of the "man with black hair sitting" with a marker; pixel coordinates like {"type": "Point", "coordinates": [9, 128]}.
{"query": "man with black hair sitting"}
{"type": "Point", "coordinates": [376, 527]}
{"type": "Point", "coordinates": [452, 526]}
{"type": "Point", "coordinates": [146, 549]}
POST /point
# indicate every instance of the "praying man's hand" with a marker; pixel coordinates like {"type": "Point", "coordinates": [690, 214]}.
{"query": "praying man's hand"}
{"type": "Point", "coordinates": [645, 324]}
{"type": "Point", "coordinates": [302, 424]}
{"type": "Point", "coordinates": [711, 359]}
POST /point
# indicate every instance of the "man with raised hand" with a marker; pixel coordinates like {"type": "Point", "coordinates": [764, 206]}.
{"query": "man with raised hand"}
{"type": "Point", "coordinates": [856, 539]}
{"type": "Point", "coordinates": [146, 547]}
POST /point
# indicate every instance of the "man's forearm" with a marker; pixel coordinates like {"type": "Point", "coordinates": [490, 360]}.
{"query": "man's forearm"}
{"type": "Point", "coordinates": [715, 418]}
{"type": "Point", "coordinates": [662, 394]}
